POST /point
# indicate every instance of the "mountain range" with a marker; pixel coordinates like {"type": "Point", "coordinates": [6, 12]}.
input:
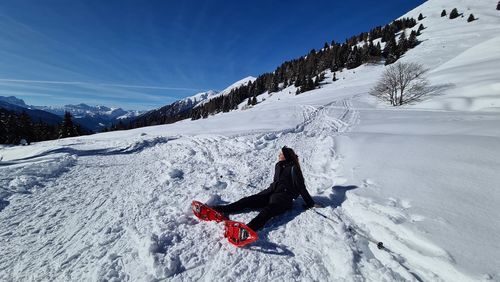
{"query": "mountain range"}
{"type": "Point", "coordinates": [98, 117]}
{"type": "Point", "coordinates": [91, 117]}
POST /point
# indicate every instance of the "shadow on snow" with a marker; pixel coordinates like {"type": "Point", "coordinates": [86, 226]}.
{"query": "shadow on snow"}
{"type": "Point", "coordinates": [133, 148]}
{"type": "Point", "coordinates": [263, 245]}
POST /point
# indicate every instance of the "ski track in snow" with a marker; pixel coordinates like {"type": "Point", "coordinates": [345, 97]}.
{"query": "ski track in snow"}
{"type": "Point", "coordinates": [124, 214]}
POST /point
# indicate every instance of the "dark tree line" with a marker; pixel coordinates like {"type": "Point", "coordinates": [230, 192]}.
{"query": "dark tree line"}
{"type": "Point", "coordinates": [305, 73]}
{"type": "Point", "coordinates": [17, 126]}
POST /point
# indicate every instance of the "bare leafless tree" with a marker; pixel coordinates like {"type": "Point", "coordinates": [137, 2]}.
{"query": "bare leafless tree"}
{"type": "Point", "coordinates": [402, 83]}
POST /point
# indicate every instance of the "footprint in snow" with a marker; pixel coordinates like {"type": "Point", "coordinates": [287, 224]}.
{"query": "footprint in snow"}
{"type": "Point", "coordinates": [176, 174]}
{"type": "Point", "coordinates": [368, 182]}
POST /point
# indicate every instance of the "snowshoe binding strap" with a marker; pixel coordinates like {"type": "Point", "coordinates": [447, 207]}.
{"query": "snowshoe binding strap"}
{"type": "Point", "coordinates": [204, 212]}
{"type": "Point", "coordinates": [238, 234]}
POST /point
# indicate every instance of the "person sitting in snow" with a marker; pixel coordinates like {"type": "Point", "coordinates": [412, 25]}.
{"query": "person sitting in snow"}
{"type": "Point", "coordinates": [287, 185]}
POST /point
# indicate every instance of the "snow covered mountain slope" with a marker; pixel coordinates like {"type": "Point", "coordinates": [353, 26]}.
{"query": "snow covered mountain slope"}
{"type": "Point", "coordinates": [461, 54]}
{"type": "Point", "coordinates": [173, 112]}
{"type": "Point", "coordinates": [228, 89]}
{"type": "Point", "coordinates": [422, 178]}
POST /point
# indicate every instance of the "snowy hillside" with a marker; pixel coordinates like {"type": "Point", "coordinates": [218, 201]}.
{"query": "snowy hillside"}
{"type": "Point", "coordinates": [461, 54]}
{"type": "Point", "coordinates": [228, 89]}
{"type": "Point", "coordinates": [197, 98]}
{"type": "Point", "coordinates": [421, 178]}
{"type": "Point", "coordinates": [174, 112]}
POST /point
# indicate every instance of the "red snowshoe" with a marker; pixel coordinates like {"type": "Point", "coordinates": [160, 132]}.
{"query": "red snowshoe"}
{"type": "Point", "coordinates": [239, 234]}
{"type": "Point", "coordinates": [206, 213]}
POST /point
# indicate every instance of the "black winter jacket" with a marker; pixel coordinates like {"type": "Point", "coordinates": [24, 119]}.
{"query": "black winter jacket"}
{"type": "Point", "coordinates": [287, 185]}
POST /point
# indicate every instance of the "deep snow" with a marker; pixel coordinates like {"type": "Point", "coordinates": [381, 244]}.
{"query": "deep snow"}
{"type": "Point", "coordinates": [421, 178]}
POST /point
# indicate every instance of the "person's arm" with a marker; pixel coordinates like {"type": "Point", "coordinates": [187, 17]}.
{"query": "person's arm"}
{"type": "Point", "coordinates": [299, 183]}
{"type": "Point", "coordinates": [271, 186]}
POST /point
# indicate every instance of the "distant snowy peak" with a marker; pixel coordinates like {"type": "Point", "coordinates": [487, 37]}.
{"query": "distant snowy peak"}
{"type": "Point", "coordinates": [179, 106]}
{"type": "Point", "coordinates": [199, 97]}
{"type": "Point", "coordinates": [130, 114]}
{"type": "Point", "coordinates": [172, 112]}
{"type": "Point", "coordinates": [13, 101]}
{"type": "Point", "coordinates": [238, 84]}
{"type": "Point", "coordinates": [189, 102]}
{"type": "Point", "coordinates": [228, 89]}
{"type": "Point", "coordinates": [84, 110]}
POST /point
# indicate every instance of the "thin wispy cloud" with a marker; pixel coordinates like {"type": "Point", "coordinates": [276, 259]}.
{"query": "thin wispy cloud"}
{"type": "Point", "coordinates": [155, 52]}
{"type": "Point", "coordinates": [98, 84]}
{"type": "Point", "coordinates": [74, 92]}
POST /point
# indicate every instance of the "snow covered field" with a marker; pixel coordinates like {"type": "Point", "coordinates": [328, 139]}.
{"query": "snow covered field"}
{"type": "Point", "coordinates": [421, 178]}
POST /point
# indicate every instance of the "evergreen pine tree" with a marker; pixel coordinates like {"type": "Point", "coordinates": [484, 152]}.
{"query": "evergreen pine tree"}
{"type": "Point", "coordinates": [390, 47]}
{"type": "Point", "coordinates": [310, 84]}
{"type": "Point", "coordinates": [421, 27]}
{"type": "Point", "coordinates": [391, 50]}
{"type": "Point", "coordinates": [3, 129]}
{"type": "Point", "coordinates": [25, 127]}
{"type": "Point", "coordinates": [354, 59]}
{"type": "Point", "coordinates": [254, 100]}
{"type": "Point", "coordinates": [420, 17]}
{"type": "Point", "coordinates": [412, 40]}
{"type": "Point", "coordinates": [299, 81]}
{"type": "Point", "coordinates": [454, 14]}
{"type": "Point", "coordinates": [321, 76]}
{"type": "Point", "coordinates": [249, 102]}
{"type": "Point", "coordinates": [443, 13]}
{"type": "Point", "coordinates": [403, 43]}
{"type": "Point", "coordinates": [471, 18]}
{"type": "Point", "coordinates": [67, 128]}
{"type": "Point", "coordinates": [498, 6]}
{"type": "Point", "coordinates": [12, 128]}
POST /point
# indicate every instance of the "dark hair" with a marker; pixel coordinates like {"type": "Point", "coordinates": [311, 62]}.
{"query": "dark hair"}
{"type": "Point", "coordinates": [290, 156]}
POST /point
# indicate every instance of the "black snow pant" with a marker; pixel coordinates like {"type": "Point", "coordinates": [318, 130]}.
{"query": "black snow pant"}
{"type": "Point", "coordinates": [271, 205]}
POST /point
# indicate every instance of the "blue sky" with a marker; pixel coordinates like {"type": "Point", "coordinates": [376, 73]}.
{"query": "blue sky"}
{"type": "Point", "coordinates": [144, 54]}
